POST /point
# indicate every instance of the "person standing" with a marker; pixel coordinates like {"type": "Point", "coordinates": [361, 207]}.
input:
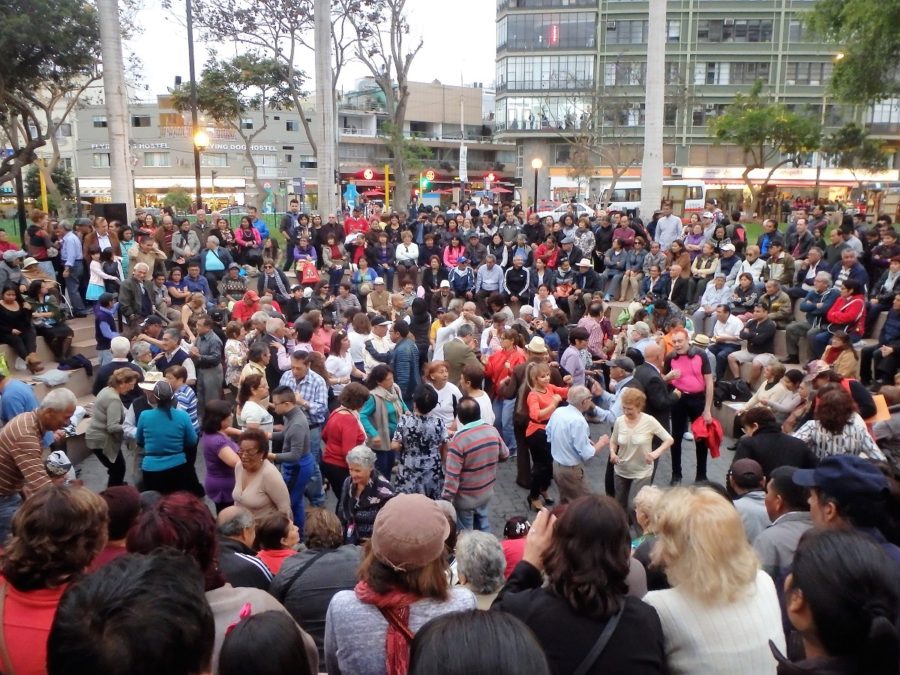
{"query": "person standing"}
{"type": "Point", "coordinates": [787, 506]}
{"type": "Point", "coordinates": [570, 444]}
{"type": "Point", "coordinates": [208, 354]}
{"type": "Point", "coordinates": [295, 460]}
{"type": "Point", "coordinates": [687, 370]}
{"type": "Point", "coordinates": [105, 432]}
{"type": "Point", "coordinates": [72, 255]}
{"type": "Point", "coordinates": [541, 399]}
{"type": "Point", "coordinates": [290, 229]}
{"type": "Point", "coordinates": [405, 361]}
{"type": "Point", "coordinates": [312, 398]}
{"type": "Point", "coordinates": [471, 466]}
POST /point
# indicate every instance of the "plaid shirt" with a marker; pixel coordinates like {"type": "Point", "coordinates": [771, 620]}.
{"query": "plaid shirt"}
{"type": "Point", "coordinates": [313, 390]}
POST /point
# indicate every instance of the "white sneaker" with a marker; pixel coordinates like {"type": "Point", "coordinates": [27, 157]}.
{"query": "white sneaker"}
{"type": "Point", "coordinates": [688, 436]}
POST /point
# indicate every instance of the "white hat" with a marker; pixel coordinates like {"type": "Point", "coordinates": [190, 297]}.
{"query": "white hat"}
{"type": "Point", "coordinates": [150, 380]}
{"type": "Point", "coordinates": [445, 284]}
{"type": "Point", "coordinates": [378, 280]}
{"type": "Point", "coordinates": [584, 262]}
{"type": "Point", "coordinates": [526, 309]}
{"type": "Point", "coordinates": [537, 345]}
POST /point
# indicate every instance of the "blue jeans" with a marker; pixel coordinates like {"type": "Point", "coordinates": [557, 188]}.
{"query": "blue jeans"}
{"type": "Point", "coordinates": [314, 489]}
{"type": "Point", "coordinates": [721, 350]}
{"type": "Point", "coordinates": [384, 462]}
{"type": "Point", "coordinates": [503, 421]}
{"type": "Point", "coordinates": [334, 279]}
{"type": "Point", "coordinates": [473, 519]}
{"type": "Point", "coordinates": [8, 507]}
{"type": "Point", "coordinates": [104, 355]}
{"type": "Point", "coordinates": [296, 476]}
{"type": "Point", "coordinates": [73, 286]}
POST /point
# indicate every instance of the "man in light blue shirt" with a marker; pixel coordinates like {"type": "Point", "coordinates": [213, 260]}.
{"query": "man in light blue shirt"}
{"type": "Point", "coordinates": [570, 444]}
{"type": "Point", "coordinates": [609, 406]}
{"type": "Point", "coordinates": [488, 280]}
{"type": "Point", "coordinates": [72, 254]}
{"type": "Point", "coordinates": [17, 398]}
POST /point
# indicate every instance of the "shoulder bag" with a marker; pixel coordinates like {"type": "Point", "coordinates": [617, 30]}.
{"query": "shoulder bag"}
{"type": "Point", "coordinates": [608, 630]}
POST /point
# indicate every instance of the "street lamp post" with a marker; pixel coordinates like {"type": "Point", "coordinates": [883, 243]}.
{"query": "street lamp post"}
{"type": "Point", "coordinates": [536, 164]}
{"type": "Point", "coordinates": [201, 142]}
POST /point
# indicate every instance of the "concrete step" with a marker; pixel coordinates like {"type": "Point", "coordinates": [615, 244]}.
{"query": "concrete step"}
{"type": "Point", "coordinates": [79, 383]}
{"type": "Point", "coordinates": [87, 348]}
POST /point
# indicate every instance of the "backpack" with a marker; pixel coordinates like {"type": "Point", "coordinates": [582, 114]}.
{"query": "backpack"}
{"type": "Point", "coordinates": [733, 391]}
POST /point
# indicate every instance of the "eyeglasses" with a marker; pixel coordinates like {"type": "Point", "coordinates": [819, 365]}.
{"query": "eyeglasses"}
{"type": "Point", "coordinates": [269, 267]}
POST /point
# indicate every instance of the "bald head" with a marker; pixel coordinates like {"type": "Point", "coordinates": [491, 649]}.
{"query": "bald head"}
{"type": "Point", "coordinates": [653, 353]}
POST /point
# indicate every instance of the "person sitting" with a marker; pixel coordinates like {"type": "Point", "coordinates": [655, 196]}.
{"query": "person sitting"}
{"type": "Point", "coordinates": [237, 560]}
{"type": "Point", "coordinates": [276, 538]}
{"type": "Point", "coordinates": [764, 442]}
{"type": "Point", "coordinates": [837, 429]}
{"type": "Point", "coordinates": [268, 642]}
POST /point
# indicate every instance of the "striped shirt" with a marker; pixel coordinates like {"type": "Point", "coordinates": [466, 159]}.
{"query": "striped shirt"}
{"type": "Point", "coordinates": [21, 460]}
{"type": "Point", "coordinates": [186, 400]}
{"type": "Point", "coordinates": [313, 390]}
{"type": "Point", "coordinates": [471, 465]}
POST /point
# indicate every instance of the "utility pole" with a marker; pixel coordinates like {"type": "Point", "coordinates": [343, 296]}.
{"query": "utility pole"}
{"type": "Point", "coordinates": [654, 105]}
{"type": "Point", "coordinates": [326, 160]}
{"type": "Point", "coordinates": [116, 100]}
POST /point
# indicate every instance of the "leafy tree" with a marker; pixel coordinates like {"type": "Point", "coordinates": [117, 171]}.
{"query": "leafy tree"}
{"type": "Point", "coordinates": [388, 56]}
{"type": "Point", "coordinates": [62, 180]}
{"type": "Point", "coordinates": [851, 148]}
{"type": "Point", "coordinates": [49, 50]}
{"type": "Point", "coordinates": [866, 33]}
{"type": "Point", "coordinates": [179, 199]}
{"type": "Point", "coordinates": [769, 134]}
{"type": "Point", "coordinates": [229, 89]}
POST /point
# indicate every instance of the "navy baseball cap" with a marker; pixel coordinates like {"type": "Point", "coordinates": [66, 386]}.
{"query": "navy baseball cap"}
{"type": "Point", "coordinates": [844, 477]}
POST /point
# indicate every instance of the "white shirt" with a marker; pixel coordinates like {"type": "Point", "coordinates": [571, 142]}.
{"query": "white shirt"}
{"type": "Point", "coordinates": [339, 367]}
{"type": "Point", "coordinates": [407, 253]}
{"type": "Point", "coordinates": [357, 346]}
{"type": "Point", "coordinates": [728, 638]}
{"type": "Point", "coordinates": [731, 328]}
{"type": "Point", "coordinates": [487, 409]}
{"type": "Point", "coordinates": [444, 408]}
{"type": "Point", "coordinates": [490, 340]}
{"type": "Point", "coordinates": [444, 335]}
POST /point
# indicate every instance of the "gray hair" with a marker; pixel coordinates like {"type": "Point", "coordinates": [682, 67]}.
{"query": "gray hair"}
{"type": "Point", "coordinates": [273, 325]}
{"type": "Point", "coordinates": [119, 346]}
{"type": "Point", "coordinates": [242, 520]}
{"type": "Point", "coordinates": [214, 238]}
{"type": "Point", "coordinates": [490, 257]}
{"type": "Point", "coordinates": [577, 395]}
{"type": "Point", "coordinates": [817, 250]}
{"type": "Point", "coordinates": [362, 455]}
{"type": "Point", "coordinates": [141, 266]}
{"type": "Point", "coordinates": [173, 333]}
{"type": "Point", "coordinates": [59, 400]}
{"type": "Point", "coordinates": [464, 331]}
{"type": "Point", "coordinates": [66, 225]}
{"type": "Point", "coordinates": [480, 559]}
{"type": "Point", "coordinates": [260, 316]}
{"type": "Point", "coordinates": [850, 251]}
{"type": "Point", "coordinates": [824, 276]}
{"type": "Point", "coordinates": [139, 349]}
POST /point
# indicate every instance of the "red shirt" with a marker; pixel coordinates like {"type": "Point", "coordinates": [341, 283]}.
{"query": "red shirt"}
{"type": "Point", "coordinates": [537, 401]}
{"type": "Point", "coordinates": [341, 433]}
{"type": "Point", "coordinates": [513, 550]}
{"type": "Point", "coordinates": [27, 617]}
{"type": "Point", "coordinates": [7, 246]}
{"type": "Point", "coordinates": [106, 556]}
{"type": "Point", "coordinates": [352, 225]}
{"type": "Point", "coordinates": [496, 368]}
{"type": "Point", "coordinates": [274, 558]}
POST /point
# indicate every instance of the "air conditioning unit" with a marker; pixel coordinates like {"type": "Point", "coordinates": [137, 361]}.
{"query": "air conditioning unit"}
{"type": "Point", "coordinates": [676, 172]}
{"type": "Point", "coordinates": [610, 25]}
{"type": "Point", "coordinates": [729, 22]}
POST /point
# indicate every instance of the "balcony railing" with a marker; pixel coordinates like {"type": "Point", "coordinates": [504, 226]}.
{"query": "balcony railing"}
{"type": "Point", "coordinates": [884, 128]}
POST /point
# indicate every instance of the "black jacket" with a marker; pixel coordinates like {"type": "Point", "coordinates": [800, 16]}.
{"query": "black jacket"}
{"type": "Point", "coordinates": [772, 448]}
{"type": "Point", "coordinates": [660, 398]}
{"type": "Point", "coordinates": [241, 567]}
{"type": "Point", "coordinates": [636, 646]}
{"type": "Point", "coordinates": [680, 290]}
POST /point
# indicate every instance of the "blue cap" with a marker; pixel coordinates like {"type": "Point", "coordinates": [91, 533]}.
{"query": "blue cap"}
{"type": "Point", "coordinates": [462, 258]}
{"type": "Point", "coordinates": [844, 477]}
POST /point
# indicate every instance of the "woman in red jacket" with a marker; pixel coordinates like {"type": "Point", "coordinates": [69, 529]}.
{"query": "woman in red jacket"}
{"type": "Point", "coordinates": [848, 314]}
{"type": "Point", "coordinates": [542, 399]}
{"type": "Point", "coordinates": [342, 432]}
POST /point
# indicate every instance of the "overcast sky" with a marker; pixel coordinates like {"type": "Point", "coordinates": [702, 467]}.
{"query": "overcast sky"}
{"type": "Point", "coordinates": [459, 42]}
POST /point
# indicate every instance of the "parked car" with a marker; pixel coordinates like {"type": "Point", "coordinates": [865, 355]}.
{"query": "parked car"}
{"type": "Point", "coordinates": [562, 209]}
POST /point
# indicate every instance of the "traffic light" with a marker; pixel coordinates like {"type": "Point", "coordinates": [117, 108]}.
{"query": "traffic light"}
{"type": "Point", "coordinates": [424, 184]}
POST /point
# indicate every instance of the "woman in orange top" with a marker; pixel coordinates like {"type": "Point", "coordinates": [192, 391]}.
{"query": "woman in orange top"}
{"type": "Point", "coordinates": [276, 538]}
{"type": "Point", "coordinates": [542, 399]}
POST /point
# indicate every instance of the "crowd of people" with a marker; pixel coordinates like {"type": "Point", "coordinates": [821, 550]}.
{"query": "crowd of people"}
{"type": "Point", "coordinates": [302, 435]}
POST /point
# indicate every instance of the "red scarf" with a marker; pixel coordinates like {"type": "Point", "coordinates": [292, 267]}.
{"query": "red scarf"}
{"type": "Point", "coordinates": [395, 606]}
{"type": "Point", "coordinates": [831, 355]}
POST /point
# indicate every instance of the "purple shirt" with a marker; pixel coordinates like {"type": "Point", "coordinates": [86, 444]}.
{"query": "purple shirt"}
{"type": "Point", "coordinates": [219, 481]}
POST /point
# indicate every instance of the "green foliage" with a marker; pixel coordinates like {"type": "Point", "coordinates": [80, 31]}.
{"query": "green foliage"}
{"type": "Point", "coordinates": [62, 178]}
{"type": "Point", "coordinates": [227, 89]}
{"type": "Point", "coordinates": [179, 199]}
{"type": "Point", "coordinates": [866, 33]}
{"type": "Point", "coordinates": [45, 45]}
{"type": "Point", "coordinates": [413, 152]}
{"type": "Point", "coordinates": [850, 147]}
{"type": "Point", "coordinates": [764, 130]}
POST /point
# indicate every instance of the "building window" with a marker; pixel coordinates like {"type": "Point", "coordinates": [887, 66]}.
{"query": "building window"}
{"type": "Point", "coordinates": [545, 72]}
{"type": "Point", "coordinates": [629, 73]}
{"type": "Point", "coordinates": [308, 162]}
{"type": "Point", "coordinates": [100, 121]}
{"type": "Point", "coordinates": [100, 160]}
{"type": "Point", "coordinates": [748, 73]}
{"type": "Point", "coordinates": [673, 73]}
{"type": "Point", "coordinates": [670, 114]}
{"type": "Point", "coordinates": [265, 160]}
{"type": "Point", "coordinates": [64, 130]}
{"type": "Point", "coordinates": [562, 153]}
{"type": "Point", "coordinates": [570, 30]}
{"type": "Point", "coordinates": [702, 114]}
{"type": "Point", "coordinates": [246, 123]}
{"type": "Point", "coordinates": [634, 31]}
{"type": "Point", "coordinates": [540, 112]}
{"type": "Point", "coordinates": [288, 159]}
{"type": "Point", "coordinates": [65, 163]}
{"type": "Point", "coordinates": [292, 125]}
{"type": "Point", "coordinates": [735, 30]}
{"type": "Point", "coordinates": [807, 73]}
{"type": "Point", "coordinates": [796, 32]}
{"type": "Point", "coordinates": [140, 120]}
{"type": "Point", "coordinates": [157, 159]}
{"type": "Point", "coordinates": [214, 159]}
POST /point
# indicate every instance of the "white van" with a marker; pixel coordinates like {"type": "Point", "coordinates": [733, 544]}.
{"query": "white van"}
{"type": "Point", "coordinates": [687, 197]}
